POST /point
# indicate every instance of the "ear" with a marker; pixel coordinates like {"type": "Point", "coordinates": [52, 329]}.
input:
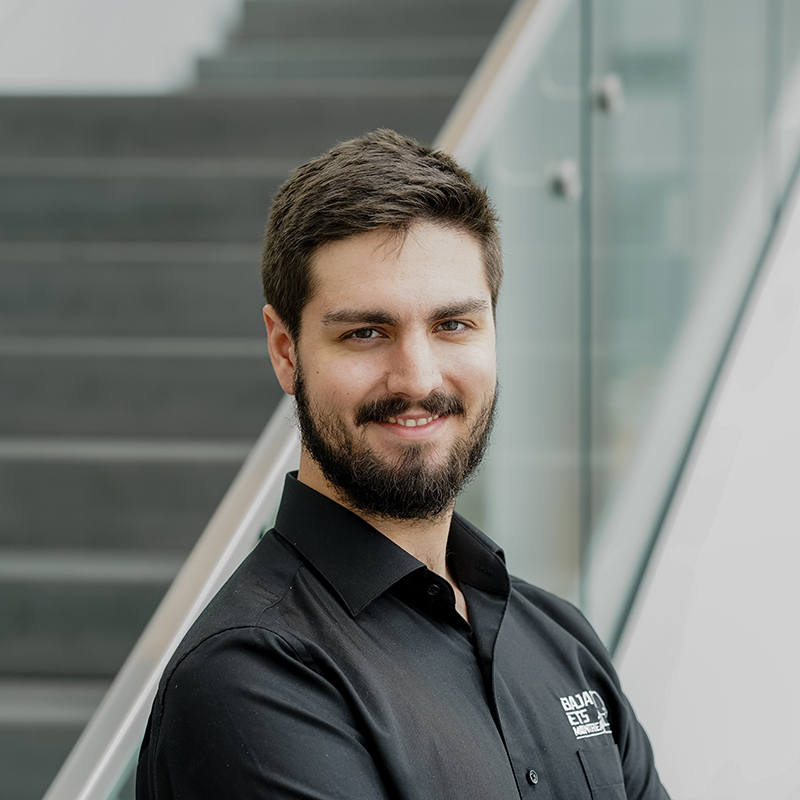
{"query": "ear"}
{"type": "Point", "coordinates": [281, 349]}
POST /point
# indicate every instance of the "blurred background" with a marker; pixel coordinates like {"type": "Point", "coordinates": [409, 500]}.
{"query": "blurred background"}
{"type": "Point", "coordinates": [642, 155]}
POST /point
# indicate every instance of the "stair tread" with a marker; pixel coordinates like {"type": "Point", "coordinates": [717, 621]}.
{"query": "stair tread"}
{"type": "Point", "coordinates": [86, 448]}
{"type": "Point", "coordinates": [28, 701]}
{"type": "Point", "coordinates": [55, 346]}
{"type": "Point", "coordinates": [437, 86]}
{"type": "Point", "coordinates": [86, 566]}
{"type": "Point", "coordinates": [301, 47]}
{"type": "Point", "coordinates": [209, 123]}
{"type": "Point", "coordinates": [127, 251]}
{"type": "Point", "coordinates": [369, 18]}
{"type": "Point", "coordinates": [118, 167]}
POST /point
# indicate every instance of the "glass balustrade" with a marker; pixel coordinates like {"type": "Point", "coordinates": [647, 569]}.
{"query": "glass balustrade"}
{"type": "Point", "coordinates": [687, 178]}
{"type": "Point", "coordinates": [637, 167]}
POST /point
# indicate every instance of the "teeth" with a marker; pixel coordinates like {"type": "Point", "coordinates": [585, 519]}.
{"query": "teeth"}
{"type": "Point", "coordinates": [413, 423]}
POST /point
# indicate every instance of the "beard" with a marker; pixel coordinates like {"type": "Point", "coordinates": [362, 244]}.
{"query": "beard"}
{"type": "Point", "coordinates": [413, 487]}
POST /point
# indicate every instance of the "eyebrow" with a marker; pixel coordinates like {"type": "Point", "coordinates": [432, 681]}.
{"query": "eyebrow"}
{"type": "Point", "coordinates": [352, 316]}
{"type": "Point", "coordinates": [348, 316]}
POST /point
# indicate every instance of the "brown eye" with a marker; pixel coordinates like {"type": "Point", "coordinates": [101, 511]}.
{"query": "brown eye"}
{"type": "Point", "coordinates": [451, 326]}
{"type": "Point", "coordinates": [364, 333]}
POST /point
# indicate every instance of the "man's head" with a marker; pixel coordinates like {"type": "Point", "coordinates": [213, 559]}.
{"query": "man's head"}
{"type": "Point", "coordinates": [381, 180]}
{"type": "Point", "coordinates": [387, 342]}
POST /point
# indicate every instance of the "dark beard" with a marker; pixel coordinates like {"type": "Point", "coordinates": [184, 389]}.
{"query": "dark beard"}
{"type": "Point", "coordinates": [411, 489]}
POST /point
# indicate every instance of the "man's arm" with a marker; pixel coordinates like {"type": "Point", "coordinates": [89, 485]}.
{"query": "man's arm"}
{"type": "Point", "coordinates": [641, 778]}
{"type": "Point", "coordinates": [243, 716]}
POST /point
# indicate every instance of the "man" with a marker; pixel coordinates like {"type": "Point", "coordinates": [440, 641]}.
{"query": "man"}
{"type": "Point", "coordinates": [373, 646]}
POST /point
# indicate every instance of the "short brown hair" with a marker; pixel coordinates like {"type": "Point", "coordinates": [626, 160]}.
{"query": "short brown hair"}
{"type": "Point", "coordinates": [380, 180]}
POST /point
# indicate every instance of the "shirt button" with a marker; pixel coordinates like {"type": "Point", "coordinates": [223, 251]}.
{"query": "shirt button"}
{"type": "Point", "coordinates": [433, 590]}
{"type": "Point", "coordinates": [533, 778]}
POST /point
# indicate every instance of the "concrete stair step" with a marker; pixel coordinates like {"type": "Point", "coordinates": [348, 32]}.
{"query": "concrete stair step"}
{"type": "Point", "coordinates": [112, 494]}
{"type": "Point", "coordinates": [369, 18]}
{"type": "Point", "coordinates": [85, 568]}
{"type": "Point", "coordinates": [416, 87]}
{"type": "Point", "coordinates": [127, 387]}
{"type": "Point", "coordinates": [71, 613]}
{"type": "Point", "coordinates": [207, 125]}
{"type": "Point", "coordinates": [130, 288]}
{"type": "Point", "coordinates": [112, 205]}
{"type": "Point", "coordinates": [40, 721]}
{"type": "Point", "coordinates": [411, 57]}
{"type": "Point", "coordinates": [420, 56]}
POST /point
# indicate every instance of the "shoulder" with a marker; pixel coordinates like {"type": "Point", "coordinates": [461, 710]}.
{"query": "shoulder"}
{"type": "Point", "coordinates": [243, 688]}
{"type": "Point", "coordinates": [243, 620]}
{"type": "Point", "coordinates": [240, 644]}
{"type": "Point", "coordinates": [260, 582]}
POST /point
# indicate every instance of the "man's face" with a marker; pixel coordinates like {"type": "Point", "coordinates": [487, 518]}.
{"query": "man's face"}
{"type": "Point", "coordinates": [395, 374]}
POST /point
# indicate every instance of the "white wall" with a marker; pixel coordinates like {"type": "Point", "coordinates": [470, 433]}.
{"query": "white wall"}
{"type": "Point", "coordinates": [711, 657]}
{"type": "Point", "coordinates": [106, 46]}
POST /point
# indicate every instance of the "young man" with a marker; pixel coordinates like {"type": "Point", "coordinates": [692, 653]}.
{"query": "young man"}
{"type": "Point", "coordinates": [373, 646]}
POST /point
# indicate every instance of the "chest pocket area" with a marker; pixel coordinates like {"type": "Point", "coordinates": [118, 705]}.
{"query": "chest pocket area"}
{"type": "Point", "coordinates": [603, 770]}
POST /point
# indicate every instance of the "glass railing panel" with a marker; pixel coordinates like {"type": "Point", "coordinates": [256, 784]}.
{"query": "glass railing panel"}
{"type": "Point", "coordinates": [682, 129]}
{"type": "Point", "coordinates": [784, 88]}
{"type": "Point", "coordinates": [668, 171]}
{"type": "Point", "coordinates": [683, 207]}
{"type": "Point", "coordinates": [644, 188]}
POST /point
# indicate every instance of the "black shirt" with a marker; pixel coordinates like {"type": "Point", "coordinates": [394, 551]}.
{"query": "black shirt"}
{"type": "Point", "coordinates": [333, 664]}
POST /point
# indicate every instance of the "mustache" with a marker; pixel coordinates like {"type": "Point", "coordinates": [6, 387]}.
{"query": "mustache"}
{"type": "Point", "coordinates": [380, 410]}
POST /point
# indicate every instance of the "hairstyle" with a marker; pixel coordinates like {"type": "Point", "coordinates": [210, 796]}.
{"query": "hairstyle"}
{"type": "Point", "coordinates": [380, 180]}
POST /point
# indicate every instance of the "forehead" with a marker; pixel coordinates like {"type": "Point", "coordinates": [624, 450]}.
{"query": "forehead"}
{"type": "Point", "coordinates": [428, 265]}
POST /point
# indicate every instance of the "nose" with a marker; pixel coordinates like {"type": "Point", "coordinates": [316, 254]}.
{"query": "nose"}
{"type": "Point", "coordinates": [413, 370]}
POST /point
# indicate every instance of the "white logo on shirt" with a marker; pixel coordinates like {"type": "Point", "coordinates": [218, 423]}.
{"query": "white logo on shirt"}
{"type": "Point", "coordinates": [586, 713]}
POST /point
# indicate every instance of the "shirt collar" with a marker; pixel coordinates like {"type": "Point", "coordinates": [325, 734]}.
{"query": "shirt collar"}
{"type": "Point", "coordinates": [360, 563]}
{"type": "Point", "coordinates": [476, 559]}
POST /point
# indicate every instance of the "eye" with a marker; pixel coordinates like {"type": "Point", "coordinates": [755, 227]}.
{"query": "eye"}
{"type": "Point", "coordinates": [363, 333]}
{"type": "Point", "coordinates": [452, 325]}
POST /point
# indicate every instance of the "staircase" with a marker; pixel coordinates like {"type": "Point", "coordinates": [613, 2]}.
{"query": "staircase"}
{"type": "Point", "coordinates": [134, 375]}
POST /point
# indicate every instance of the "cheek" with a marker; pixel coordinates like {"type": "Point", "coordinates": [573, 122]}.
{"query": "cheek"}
{"type": "Point", "coordinates": [342, 384]}
{"type": "Point", "coordinates": [477, 373]}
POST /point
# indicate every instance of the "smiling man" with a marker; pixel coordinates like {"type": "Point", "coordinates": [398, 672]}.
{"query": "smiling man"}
{"type": "Point", "coordinates": [373, 645]}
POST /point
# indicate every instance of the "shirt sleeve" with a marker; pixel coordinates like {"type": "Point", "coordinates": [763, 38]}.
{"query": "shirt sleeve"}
{"type": "Point", "coordinates": [243, 716]}
{"type": "Point", "coordinates": [641, 778]}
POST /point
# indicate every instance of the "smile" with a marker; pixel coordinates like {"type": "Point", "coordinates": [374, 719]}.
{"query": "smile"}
{"type": "Point", "coordinates": [413, 423]}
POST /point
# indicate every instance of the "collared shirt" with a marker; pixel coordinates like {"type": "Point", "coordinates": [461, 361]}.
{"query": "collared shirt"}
{"type": "Point", "coordinates": [333, 665]}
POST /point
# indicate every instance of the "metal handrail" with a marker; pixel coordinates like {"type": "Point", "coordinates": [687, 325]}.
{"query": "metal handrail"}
{"type": "Point", "coordinates": [500, 73]}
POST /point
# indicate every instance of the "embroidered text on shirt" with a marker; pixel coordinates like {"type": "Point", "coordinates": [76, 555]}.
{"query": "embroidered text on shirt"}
{"type": "Point", "coordinates": [586, 713]}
